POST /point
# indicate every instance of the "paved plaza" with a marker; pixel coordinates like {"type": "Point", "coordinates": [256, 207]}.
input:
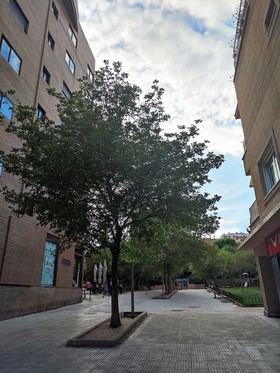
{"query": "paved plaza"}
{"type": "Point", "coordinates": [191, 332]}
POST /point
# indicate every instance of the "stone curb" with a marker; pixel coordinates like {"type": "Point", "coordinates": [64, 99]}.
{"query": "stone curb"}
{"type": "Point", "coordinates": [168, 296]}
{"type": "Point", "coordinates": [119, 338]}
{"type": "Point", "coordinates": [242, 305]}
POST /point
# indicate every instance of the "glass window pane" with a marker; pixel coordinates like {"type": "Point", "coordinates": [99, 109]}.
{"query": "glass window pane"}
{"type": "Point", "coordinates": [271, 172]}
{"type": "Point", "coordinates": [51, 41]}
{"type": "Point", "coordinates": [1, 168]}
{"type": "Point", "coordinates": [66, 91]}
{"type": "Point", "coordinates": [72, 67]}
{"type": "Point", "coordinates": [7, 108]}
{"type": "Point", "coordinates": [275, 168]}
{"type": "Point", "coordinates": [5, 49]}
{"type": "Point", "coordinates": [75, 41]}
{"type": "Point", "coordinates": [15, 61]}
{"type": "Point", "coordinates": [20, 15]}
{"type": "Point", "coordinates": [48, 273]}
{"type": "Point", "coordinates": [40, 112]}
{"type": "Point", "coordinates": [54, 9]}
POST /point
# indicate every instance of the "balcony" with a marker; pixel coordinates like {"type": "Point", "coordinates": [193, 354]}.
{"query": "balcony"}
{"type": "Point", "coordinates": [241, 16]}
{"type": "Point", "coordinates": [254, 213]}
{"type": "Point", "coordinates": [246, 162]}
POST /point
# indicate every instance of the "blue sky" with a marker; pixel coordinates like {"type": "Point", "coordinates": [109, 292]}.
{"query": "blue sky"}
{"type": "Point", "coordinates": [185, 45]}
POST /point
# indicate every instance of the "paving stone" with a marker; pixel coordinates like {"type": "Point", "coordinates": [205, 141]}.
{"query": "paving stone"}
{"type": "Point", "coordinates": [211, 336]}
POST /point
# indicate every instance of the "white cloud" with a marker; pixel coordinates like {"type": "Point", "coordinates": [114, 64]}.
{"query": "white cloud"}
{"type": "Point", "coordinates": [184, 44]}
{"type": "Point", "coordinates": [157, 39]}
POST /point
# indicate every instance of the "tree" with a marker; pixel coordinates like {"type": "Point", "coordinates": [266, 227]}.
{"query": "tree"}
{"type": "Point", "coordinates": [134, 251]}
{"type": "Point", "coordinates": [176, 246]}
{"type": "Point", "coordinates": [211, 266]}
{"type": "Point", "coordinates": [228, 244]}
{"type": "Point", "coordinates": [224, 260]}
{"type": "Point", "coordinates": [108, 166]}
{"type": "Point", "coordinates": [245, 261]}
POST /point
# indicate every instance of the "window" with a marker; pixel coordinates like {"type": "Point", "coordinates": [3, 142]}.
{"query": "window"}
{"type": "Point", "coordinates": [90, 73]}
{"type": "Point", "coordinates": [51, 41]}
{"type": "Point", "coordinates": [23, 21]}
{"type": "Point", "coordinates": [54, 10]}
{"type": "Point", "coordinates": [271, 10]}
{"type": "Point", "coordinates": [270, 169]}
{"type": "Point", "coordinates": [72, 35]}
{"type": "Point", "coordinates": [49, 264]}
{"type": "Point", "coordinates": [70, 63]}
{"type": "Point", "coordinates": [9, 54]}
{"type": "Point", "coordinates": [1, 167]}
{"type": "Point", "coordinates": [41, 113]}
{"type": "Point", "coordinates": [66, 91]}
{"type": "Point", "coordinates": [46, 75]}
{"type": "Point", "coordinates": [6, 107]}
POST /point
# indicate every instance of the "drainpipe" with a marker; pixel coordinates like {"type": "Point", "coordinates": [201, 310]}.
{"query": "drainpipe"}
{"type": "Point", "coordinates": [5, 246]}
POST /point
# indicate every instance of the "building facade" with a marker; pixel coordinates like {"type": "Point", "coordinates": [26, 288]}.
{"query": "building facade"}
{"type": "Point", "coordinates": [42, 46]}
{"type": "Point", "coordinates": [257, 83]}
{"type": "Point", "coordinates": [236, 236]}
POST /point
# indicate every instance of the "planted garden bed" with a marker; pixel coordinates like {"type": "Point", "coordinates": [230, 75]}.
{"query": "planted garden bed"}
{"type": "Point", "coordinates": [165, 296]}
{"type": "Point", "coordinates": [248, 297]}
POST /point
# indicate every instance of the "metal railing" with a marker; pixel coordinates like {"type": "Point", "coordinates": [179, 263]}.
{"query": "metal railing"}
{"type": "Point", "coordinates": [254, 212]}
{"type": "Point", "coordinates": [240, 26]}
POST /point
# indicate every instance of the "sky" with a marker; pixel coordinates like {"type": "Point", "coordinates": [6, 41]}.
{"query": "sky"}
{"type": "Point", "coordinates": [186, 45]}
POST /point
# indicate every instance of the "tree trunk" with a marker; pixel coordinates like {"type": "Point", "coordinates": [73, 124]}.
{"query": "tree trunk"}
{"type": "Point", "coordinates": [163, 281]}
{"type": "Point", "coordinates": [168, 278]}
{"type": "Point", "coordinates": [132, 290]}
{"type": "Point", "coordinates": [115, 314]}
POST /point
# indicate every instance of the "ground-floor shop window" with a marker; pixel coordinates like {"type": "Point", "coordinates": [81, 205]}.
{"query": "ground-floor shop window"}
{"type": "Point", "coordinates": [49, 264]}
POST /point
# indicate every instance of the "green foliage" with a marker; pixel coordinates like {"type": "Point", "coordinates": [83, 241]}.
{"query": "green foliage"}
{"type": "Point", "coordinates": [224, 262]}
{"type": "Point", "coordinates": [159, 248]}
{"type": "Point", "coordinates": [245, 261]}
{"type": "Point", "coordinates": [196, 280]}
{"type": "Point", "coordinates": [227, 244]}
{"type": "Point", "coordinates": [96, 257]}
{"type": "Point", "coordinates": [107, 166]}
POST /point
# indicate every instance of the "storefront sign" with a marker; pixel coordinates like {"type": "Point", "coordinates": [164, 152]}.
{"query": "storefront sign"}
{"type": "Point", "coordinates": [272, 243]}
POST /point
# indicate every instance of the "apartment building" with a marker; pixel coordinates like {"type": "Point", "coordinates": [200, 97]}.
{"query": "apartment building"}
{"type": "Point", "coordinates": [42, 45]}
{"type": "Point", "coordinates": [236, 236]}
{"type": "Point", "coordinates": [257, 83]}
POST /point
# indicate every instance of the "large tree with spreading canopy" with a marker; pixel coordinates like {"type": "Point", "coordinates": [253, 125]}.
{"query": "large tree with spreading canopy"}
{"type": "Point", "coordinates": [107, 166]}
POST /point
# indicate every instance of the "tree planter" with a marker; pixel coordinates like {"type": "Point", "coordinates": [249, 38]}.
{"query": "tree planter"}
{"type": "Point", "coordinates": [102, 335]}
{"type": "Point", "coordinates": [165, 296]}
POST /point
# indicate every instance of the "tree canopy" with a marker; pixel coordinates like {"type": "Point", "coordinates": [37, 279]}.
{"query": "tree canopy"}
{"type": "Point", "coordinates": [107, 165]}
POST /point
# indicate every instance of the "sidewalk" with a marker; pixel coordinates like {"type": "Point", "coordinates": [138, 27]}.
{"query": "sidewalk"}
{"type": "Point", "coordinates": [191, 332]}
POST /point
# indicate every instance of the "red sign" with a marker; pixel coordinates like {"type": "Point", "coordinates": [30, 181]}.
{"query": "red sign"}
{"type": "Point", "coordinates": [272, 243]}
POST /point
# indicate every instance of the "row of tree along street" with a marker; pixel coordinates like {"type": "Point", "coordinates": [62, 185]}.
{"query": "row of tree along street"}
{"type": "Point", "coordinates": [164, 254]}
{"type": "Point", "coordinates": [108, 176]}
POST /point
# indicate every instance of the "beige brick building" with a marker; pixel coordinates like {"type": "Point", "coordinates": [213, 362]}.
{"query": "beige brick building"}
{"type": "Point", "coordinates": [257, 83]}
{"type": "Point", "coordinates": [42, 45]}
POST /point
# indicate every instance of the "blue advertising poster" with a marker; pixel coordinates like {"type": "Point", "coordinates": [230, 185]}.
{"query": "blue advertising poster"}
{"type": "Point", "coordinates": [49, 264]}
